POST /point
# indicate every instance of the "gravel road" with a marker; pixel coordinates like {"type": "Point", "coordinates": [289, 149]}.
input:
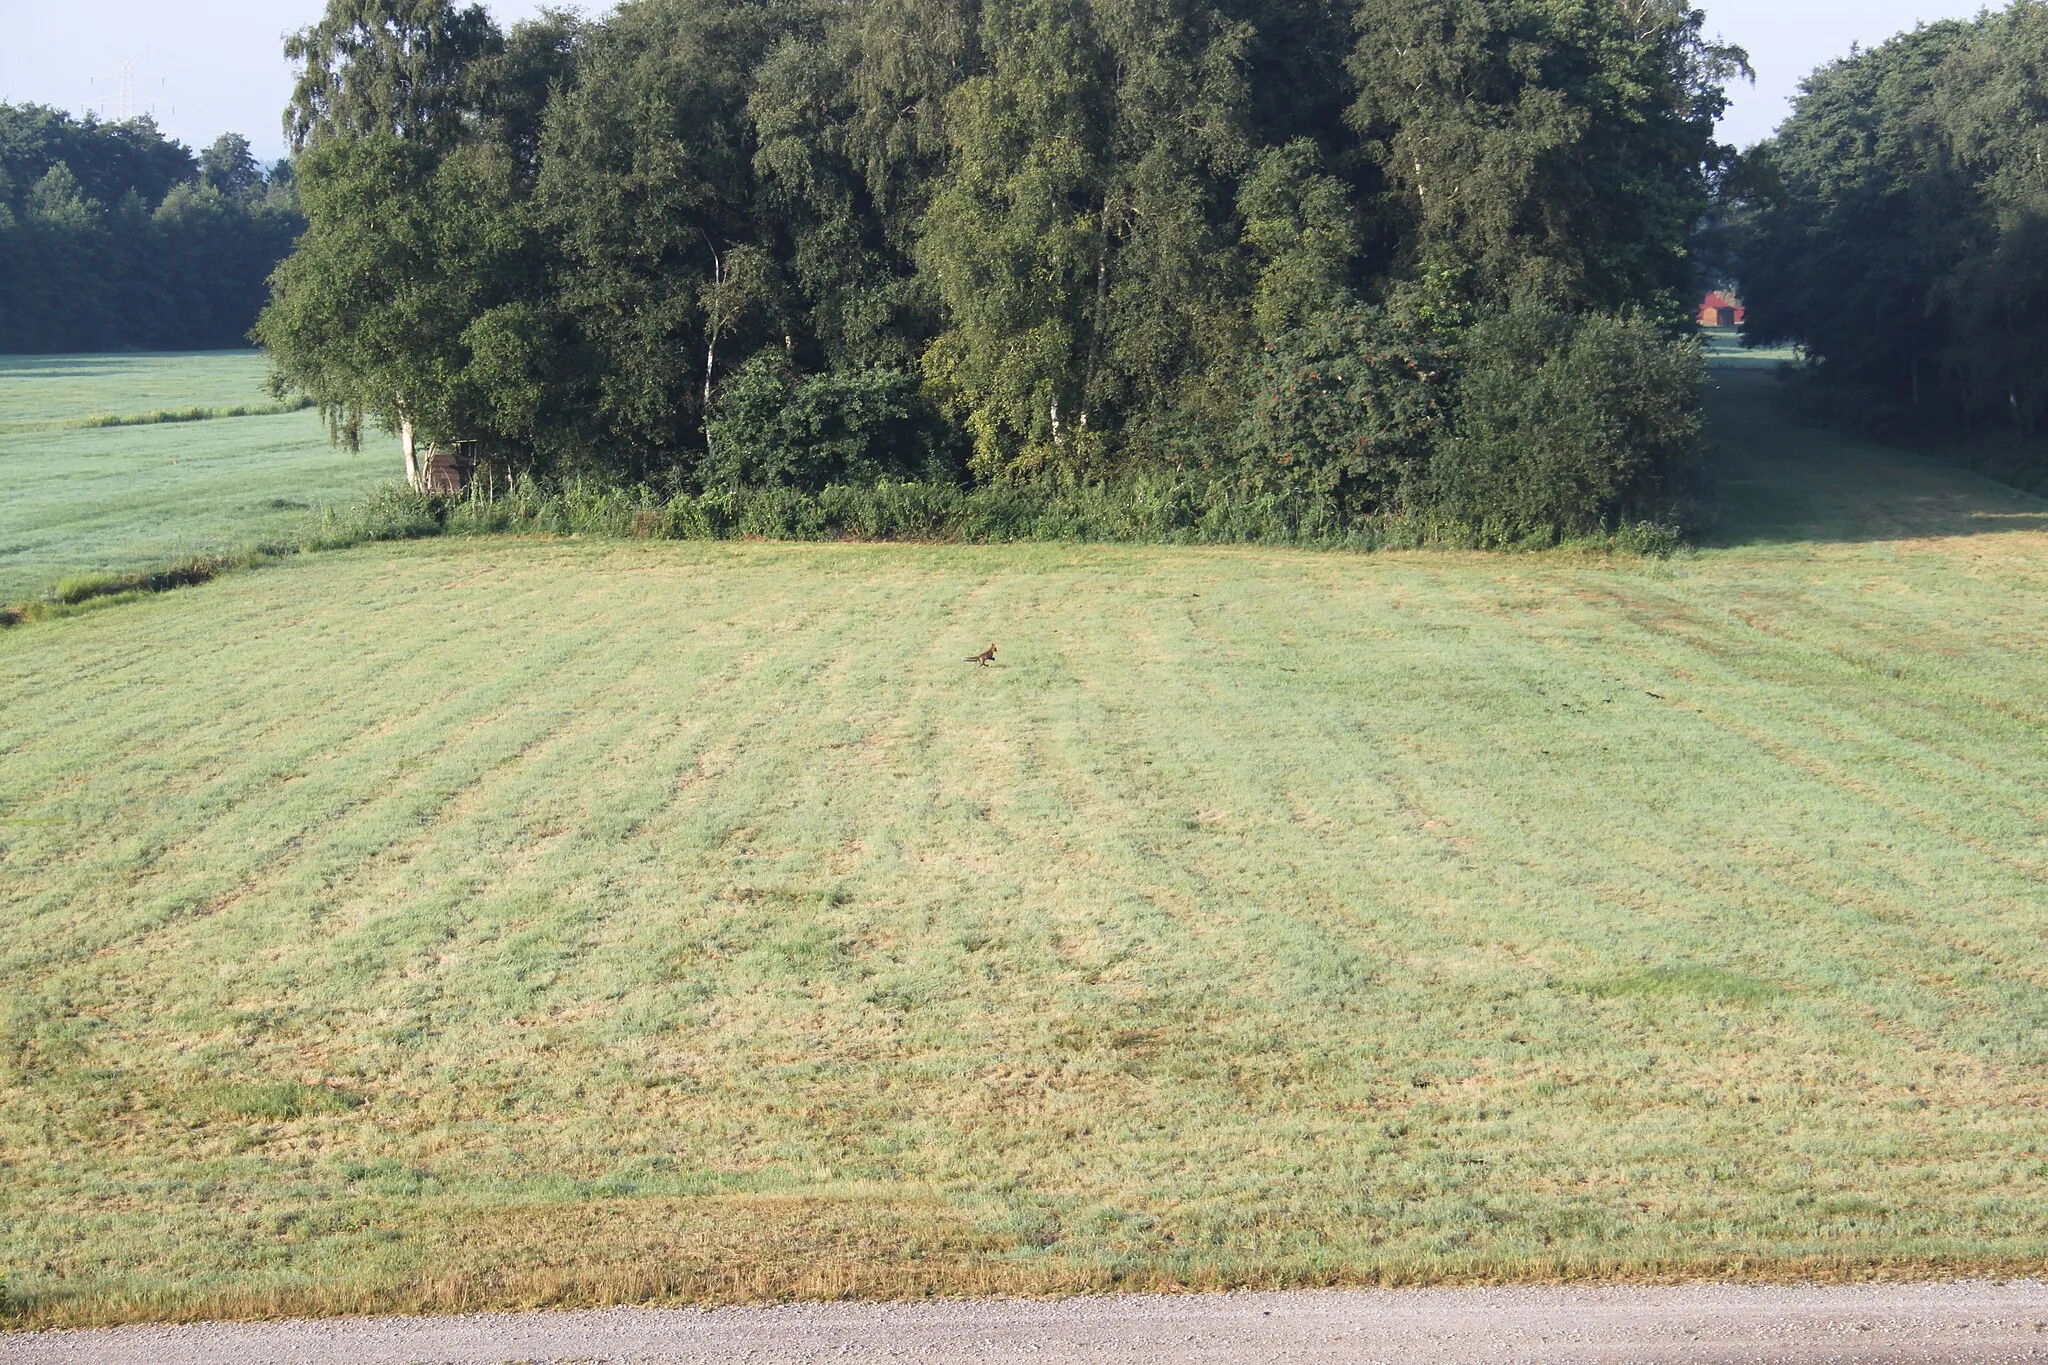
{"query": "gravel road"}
{"type": "Point", "coordinates": [1701, 1325]}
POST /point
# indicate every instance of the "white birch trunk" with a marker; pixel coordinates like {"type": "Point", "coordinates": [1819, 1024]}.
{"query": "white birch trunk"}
{"type": "Point", "coordinates": [405, 444]}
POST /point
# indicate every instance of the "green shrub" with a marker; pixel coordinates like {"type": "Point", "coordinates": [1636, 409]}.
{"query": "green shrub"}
{"type": "Point", "coordinates": [1650, 539]}
{"type": "Point", "coordinates": [1346, 412]}
{"type": "Point", "coordinates": [392, 512]}
{"type": "Point", "coordinates": [774, 428]}
{"type": "Point", "coordinates": [1566, 425]}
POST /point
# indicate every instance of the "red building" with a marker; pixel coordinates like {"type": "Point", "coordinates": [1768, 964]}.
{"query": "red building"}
{"type": "Point", "coordinates": [1722, 310]}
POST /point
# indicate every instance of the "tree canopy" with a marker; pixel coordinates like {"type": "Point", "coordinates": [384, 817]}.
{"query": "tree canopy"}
{"type": "Point", "coordinates": [113, 236]}
{"type": "Point", "coordinates": [1897, 225]}
{"type": "Point", "coordinates": [1066, 227]}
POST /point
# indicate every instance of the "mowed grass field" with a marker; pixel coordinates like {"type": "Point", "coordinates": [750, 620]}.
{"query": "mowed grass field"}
{"type": "Point", "coordinates": [100, 499]}
{"type": "Point", "coordinates": [506, 922]}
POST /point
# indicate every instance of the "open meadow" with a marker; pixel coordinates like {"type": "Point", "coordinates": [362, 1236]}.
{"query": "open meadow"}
{"type": "Point", "coordinates": [511, 921]}
{"type": "Point", "coordinates": [96, 499]}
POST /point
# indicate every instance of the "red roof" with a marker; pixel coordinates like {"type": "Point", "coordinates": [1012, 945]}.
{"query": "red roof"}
{"type": "Point", "coordinates": [1711, 306]}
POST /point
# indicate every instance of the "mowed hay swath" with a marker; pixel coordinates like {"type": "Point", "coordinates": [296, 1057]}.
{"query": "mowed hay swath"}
{"type": "Point", "coordinates": [472, 923]}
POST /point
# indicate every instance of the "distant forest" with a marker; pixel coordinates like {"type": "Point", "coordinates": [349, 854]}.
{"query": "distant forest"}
{"type": "Point", "coordinates": [1390, 257]}
{"type": "Point", "coordinates": [114, 237]}
{"type": "Point", "coordinates": [1897, 227]}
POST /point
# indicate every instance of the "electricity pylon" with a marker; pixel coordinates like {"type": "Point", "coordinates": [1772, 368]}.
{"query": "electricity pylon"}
{"type": "Point", "coordinates": [132, 80]}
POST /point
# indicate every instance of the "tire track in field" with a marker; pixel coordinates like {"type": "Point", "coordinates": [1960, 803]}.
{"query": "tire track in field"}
{"type": "Point", "coordinates": [1901, 928]}
{"type": "Point", "coordinates": [1871, 687]}
{"type": "Point", "coordinates": [1834, 718]}
{"type": "Point", "coordinates": [361, 797]}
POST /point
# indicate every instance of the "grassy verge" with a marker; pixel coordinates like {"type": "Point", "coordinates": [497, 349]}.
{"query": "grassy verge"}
{"type": "Point", "coordinates": [481, 922]}
{"type": "Point", "coordinates": [2007, 457]}
{"type": "Point", "coordinates": [707, 1253]}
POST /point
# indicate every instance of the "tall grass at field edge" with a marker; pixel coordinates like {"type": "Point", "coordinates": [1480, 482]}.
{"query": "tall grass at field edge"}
{"type": "Point", "coordinates": [84, 591]}
{"type": "Point", "coordinates": [158, 416]}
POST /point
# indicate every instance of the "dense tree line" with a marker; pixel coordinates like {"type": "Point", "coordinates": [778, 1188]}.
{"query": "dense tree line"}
{"type": "Point", "coordinates": [114, 237]}
{"type": "Point", "coordinates": [1315, 246]}
{"type": "Point", "coordinates": [1897, 226]}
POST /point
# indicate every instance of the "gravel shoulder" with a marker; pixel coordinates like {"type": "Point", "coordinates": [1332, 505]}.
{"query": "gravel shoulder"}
{"type": "Point", "coordinates": [1970, 1321]}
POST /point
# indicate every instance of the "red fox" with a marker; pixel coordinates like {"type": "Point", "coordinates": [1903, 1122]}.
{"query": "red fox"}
{"type": "Point", "coordinates": [985, 658]}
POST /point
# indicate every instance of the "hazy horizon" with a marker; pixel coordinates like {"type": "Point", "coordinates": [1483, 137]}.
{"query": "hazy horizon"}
{"type": "Point", "coordinates": [214, 66]}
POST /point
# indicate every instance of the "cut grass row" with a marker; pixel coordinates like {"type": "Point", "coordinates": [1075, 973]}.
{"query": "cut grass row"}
{"type": "Point", "coordinates": [472, 923]}
{"type": "Point", "coordinates": [163, 416]}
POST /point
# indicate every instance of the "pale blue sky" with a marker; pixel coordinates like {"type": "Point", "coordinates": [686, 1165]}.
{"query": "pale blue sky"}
{"type": "Point", "coordinates": [1789, 38]}
{"type": "Point", "coordinates": [216, 65]}
{"type": "Point", "coordinates": [213, 66]}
